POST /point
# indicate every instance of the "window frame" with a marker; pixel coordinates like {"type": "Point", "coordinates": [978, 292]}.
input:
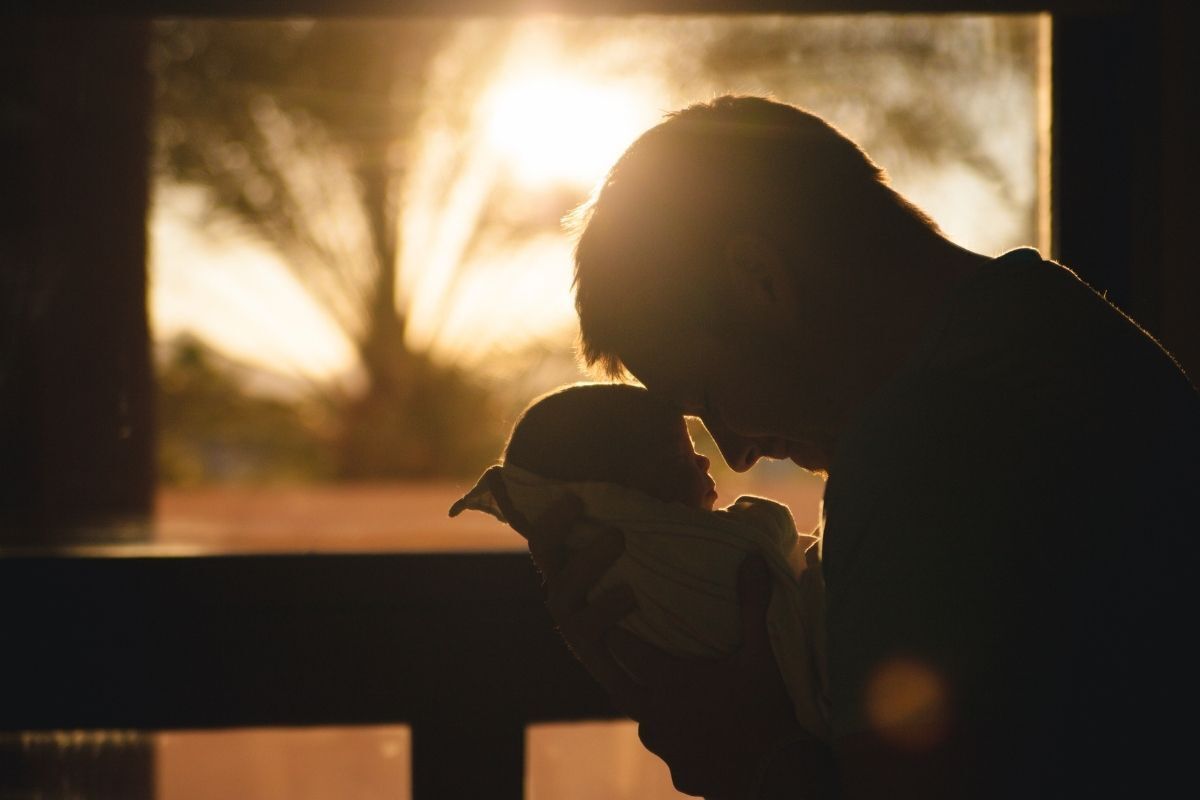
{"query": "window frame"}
{"type": "Point", "coordinates": [460, 646]}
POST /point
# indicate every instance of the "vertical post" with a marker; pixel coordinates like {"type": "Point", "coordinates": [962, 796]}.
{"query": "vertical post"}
{"type": "Point", "coordinates": [1105, 152]}
{"type": "Point", "coordinates": [1179, 171]}
{"type": "Point", "coordinates": [75, 398]}
{"type": "Point", "coordinates": [75, 446]}
{"type": "Point", "coordinates": [468, 758]}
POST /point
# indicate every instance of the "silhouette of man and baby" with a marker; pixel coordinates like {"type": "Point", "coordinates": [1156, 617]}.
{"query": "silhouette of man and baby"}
{"type": "Point", "coordinates": [996, 601]}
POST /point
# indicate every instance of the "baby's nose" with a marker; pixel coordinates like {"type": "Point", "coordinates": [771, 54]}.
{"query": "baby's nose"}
{"type": "Point", "coordinates": [703, 462]}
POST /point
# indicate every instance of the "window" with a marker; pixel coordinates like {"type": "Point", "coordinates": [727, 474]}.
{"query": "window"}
{"type": "Point", "coordinates": [359, 274]}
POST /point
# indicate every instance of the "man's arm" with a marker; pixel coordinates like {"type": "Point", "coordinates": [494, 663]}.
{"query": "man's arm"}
{"type": "Point", "coordinates": [725, 728]}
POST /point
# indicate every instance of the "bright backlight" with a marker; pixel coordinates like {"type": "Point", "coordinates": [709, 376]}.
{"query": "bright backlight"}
{"type": "Point", "coordinates": [558, 129]}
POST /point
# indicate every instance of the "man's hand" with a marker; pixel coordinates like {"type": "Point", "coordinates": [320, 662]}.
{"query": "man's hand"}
{"type": "Point", "coordinates": [567, 581]}
{"type": "Point", "coordinates": [714, 722]}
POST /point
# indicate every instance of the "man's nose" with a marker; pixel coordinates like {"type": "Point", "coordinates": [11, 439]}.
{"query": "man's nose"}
{"type": "Point", "coordinates": [703, 462]}
{"type": "Point", "coordinates": [739, 452]}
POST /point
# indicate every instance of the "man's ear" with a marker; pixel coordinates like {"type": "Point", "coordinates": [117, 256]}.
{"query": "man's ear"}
{"type": "Point", "coordinates": [760, 280]}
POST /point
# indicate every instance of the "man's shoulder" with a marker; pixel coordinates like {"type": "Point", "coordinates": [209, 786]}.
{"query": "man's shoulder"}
{"type": "Point", "coordinates": [928, 419]}
{"type": "Point", "coordinates": [1034, 326]}
{"type": "Point", "coordinates": [939, 452]}
{"type": "Point", "coordinates": [1028, 362]}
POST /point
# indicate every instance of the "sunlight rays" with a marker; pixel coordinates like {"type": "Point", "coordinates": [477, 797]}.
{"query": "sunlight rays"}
{"type": "Point", "coordinates": [519, 118]}
{"type": "Point", "coordinates": [551, 127]}
{"type": "Point", "coordinates": [531, 128]}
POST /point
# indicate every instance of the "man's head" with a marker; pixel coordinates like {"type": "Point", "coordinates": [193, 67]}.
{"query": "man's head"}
{"type": "Point", "coordinates": [615, 433]}
{"type": "Point", "coordinates": [730, 262]}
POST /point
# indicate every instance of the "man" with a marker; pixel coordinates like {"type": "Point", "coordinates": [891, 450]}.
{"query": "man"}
{"type": "Point", "coordinates": [1008, 541]}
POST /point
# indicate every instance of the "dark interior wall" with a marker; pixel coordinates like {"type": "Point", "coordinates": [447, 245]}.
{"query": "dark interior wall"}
{"type": "Point", "coordinates": [1179, 179]}
{"type": "Point", "coordinates": [1126, 90]}
{"type": "Point", "coordinates": [1105, 198]}
{"type": "Point", "coordinates": [75, 443]}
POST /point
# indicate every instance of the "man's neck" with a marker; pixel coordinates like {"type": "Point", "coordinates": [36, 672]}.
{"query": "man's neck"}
{"type": "Point", "coordinates": [911, 288]}
{"type": "Point", "coordinates": [934, 268]}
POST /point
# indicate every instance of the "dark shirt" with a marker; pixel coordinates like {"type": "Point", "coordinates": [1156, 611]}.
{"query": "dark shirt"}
{"type": "Point", "coordinates": [1009, 551]}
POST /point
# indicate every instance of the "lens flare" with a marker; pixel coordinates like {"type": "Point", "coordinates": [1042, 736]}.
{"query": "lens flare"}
{"type": "Point", "coordinates": [907, 704]}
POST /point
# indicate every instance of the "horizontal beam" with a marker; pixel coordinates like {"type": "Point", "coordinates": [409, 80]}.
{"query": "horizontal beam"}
{"type": "Point", "coordinates": [230, 641]}
{"type": "Point", "coordinates": [348, 8]}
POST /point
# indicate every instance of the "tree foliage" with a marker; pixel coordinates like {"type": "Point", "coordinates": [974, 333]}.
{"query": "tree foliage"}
{"type": "Point", "coordinates": [301, 132]}
{"type": "Point", "coordinates": [211, 430]}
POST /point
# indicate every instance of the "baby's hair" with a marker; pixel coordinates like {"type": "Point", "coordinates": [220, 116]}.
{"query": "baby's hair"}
{"type": "Point", "coordinates": [590, 432]}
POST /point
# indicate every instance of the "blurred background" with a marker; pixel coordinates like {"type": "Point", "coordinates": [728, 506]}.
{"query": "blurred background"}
{"type": "Point", "coordinates": [358, 271]}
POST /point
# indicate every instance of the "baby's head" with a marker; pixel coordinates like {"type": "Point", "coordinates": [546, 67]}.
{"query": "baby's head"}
{"type": "Point", "coordinates": [614, 433]}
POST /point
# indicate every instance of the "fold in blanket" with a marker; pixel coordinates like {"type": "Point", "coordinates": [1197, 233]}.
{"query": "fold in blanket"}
{"type": "Point", "coordinates": [681, 564]}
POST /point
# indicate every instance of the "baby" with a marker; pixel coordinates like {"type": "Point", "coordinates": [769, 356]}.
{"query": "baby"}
{"type": "Point", "coordinates": [629, 458]}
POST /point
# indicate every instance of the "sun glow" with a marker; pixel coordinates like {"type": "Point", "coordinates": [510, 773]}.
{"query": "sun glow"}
{"type": "Point", "coordinates": [562, 129]}
{"type": "Point", "coordinates": [519, 118]}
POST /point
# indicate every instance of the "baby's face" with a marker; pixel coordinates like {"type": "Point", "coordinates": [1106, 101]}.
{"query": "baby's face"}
{"type": "Point", "coordinates": [677, 473]}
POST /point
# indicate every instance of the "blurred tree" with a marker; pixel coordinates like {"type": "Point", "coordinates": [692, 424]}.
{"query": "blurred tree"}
{"type": "Point", "coordinates": [301, 131]}
{"type": "Point", "coordinates": [929, 94]}
{"type": "Point", "coordinates": [212, 430]}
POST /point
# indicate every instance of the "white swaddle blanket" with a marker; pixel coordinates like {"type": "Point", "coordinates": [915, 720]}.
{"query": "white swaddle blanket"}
{"type": "Point", "coordinates": [682, 563]}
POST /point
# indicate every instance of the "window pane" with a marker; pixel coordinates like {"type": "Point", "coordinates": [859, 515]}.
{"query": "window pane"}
{"type": "Point", "coordinates": [284, 764]}
{"type": "Point", "coordinates": [564, 761]}
{"type": "Point", "coordinates": [359, 272]}
{"type": "Point", "coordinates": [593, 761]}
{"type": "Point", "coordinates": [361, 763]}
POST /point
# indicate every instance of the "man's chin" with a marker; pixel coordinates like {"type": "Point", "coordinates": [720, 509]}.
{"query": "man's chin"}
{"type": "Point", "coordinates": [821, 472]}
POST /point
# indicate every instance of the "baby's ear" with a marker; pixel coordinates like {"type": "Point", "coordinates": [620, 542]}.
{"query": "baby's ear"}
{"type": "Point", "coordinates": [761, 284]}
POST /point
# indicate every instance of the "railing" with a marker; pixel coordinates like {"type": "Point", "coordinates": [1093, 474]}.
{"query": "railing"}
{"type": "Point", "coordinates": [460, 647]}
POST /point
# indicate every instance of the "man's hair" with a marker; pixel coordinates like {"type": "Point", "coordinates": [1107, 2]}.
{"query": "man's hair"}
{"type": "Point", "coordinates": [670, 204]}
{"type": "Point", "coordinates": [590, 432]}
